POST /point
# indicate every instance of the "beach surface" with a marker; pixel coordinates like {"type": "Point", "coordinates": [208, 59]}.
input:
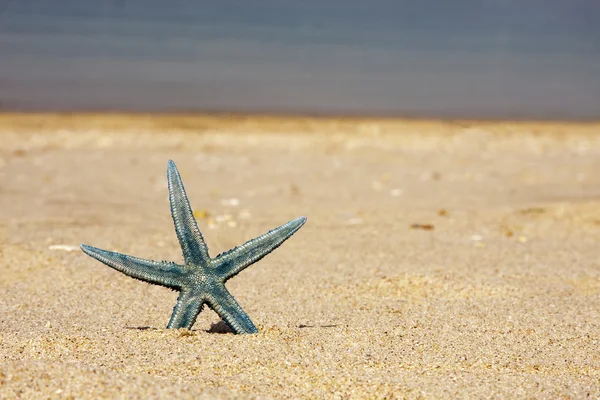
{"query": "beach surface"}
{"type": "Point", "coordinates": [455, 259]}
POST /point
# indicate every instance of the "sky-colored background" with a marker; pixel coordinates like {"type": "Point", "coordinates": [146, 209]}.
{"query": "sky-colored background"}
{"type": "Point", "coordinates": [478, 58]}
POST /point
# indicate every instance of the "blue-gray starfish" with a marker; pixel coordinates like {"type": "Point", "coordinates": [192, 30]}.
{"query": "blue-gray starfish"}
{"type": "Point", "coordinates": [201, 279]}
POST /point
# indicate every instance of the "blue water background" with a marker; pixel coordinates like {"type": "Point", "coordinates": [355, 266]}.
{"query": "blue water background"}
{"type": "Point", "coordinates": [486, 58]}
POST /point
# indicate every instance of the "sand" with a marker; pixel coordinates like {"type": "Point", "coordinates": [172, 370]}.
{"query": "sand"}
{"type": "Point", "coordinates": [439, 260]}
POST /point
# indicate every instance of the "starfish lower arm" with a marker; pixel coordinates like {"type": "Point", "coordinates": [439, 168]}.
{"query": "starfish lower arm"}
{"type": "Point", "coordinates": [185, 312]}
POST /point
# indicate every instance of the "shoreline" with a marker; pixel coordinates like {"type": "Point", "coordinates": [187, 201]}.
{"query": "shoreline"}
{"type": "Point", "coordinates": [191, 126]}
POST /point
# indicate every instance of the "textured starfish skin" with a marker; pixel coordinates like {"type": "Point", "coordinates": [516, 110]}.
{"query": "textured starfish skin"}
{"type": "Point", "coordinates": [201, 279]}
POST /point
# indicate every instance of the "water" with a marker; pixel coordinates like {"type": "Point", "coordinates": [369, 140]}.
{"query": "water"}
{"type": "Point", "coordinates": [501, 59]}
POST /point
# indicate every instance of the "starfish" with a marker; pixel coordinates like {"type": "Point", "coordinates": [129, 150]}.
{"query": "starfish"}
{"type": "Point", "coordinates": [201, 279]}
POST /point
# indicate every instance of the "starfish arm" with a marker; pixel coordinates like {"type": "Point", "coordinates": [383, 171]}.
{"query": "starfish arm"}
{"type": "Point", "coordinates": [186, 310]}
{"type": "Point", "coordinates": [192, 243]}
{"type": "Point", "coordinates": [159, 273]}
{"type": "Point", "coordinates": [232, 262]}
{"type": "Point", "coordinates": [223, 303]}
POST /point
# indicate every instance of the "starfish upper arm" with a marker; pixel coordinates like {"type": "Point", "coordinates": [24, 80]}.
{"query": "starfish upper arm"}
{"type": "Point", "coordinates": [159, 273]}
{"type": "Point", "coordinates": [235, 260]}
{"type": "Point", "coordinates": [192, 243]}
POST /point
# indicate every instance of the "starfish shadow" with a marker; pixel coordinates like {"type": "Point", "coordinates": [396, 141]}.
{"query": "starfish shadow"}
{"type": "Point", "coordinates": [220, 328]}
{"type": "Point", "coordinates": [142, 328]}
{"type": "Point", "coordinates": [301, 326]}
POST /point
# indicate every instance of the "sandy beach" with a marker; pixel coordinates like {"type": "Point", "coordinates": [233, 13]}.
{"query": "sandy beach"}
{"type": "Point", "coordinates": [455, 259]}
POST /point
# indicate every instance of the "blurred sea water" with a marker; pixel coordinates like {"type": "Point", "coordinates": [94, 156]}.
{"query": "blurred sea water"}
{"type": "Point", "coordinates": [478, 59]}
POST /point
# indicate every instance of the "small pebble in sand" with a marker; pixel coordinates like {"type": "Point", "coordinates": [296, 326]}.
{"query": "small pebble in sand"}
{"type": "Point", "coordinates": [476, 238]}
{"type": "Point", "coordinates": [425, 227]}
{"type": "Point", "coordinates": [294, 189]}
{"type": "Point", "coordinates": [385, 177]}
{"type": "Point", "coordinates": [223, 218]}
{"type": "Point", "coordinates": [233, 202]}
{"type": "Point", "coordinates": [201, 214]}
{"type": "Point", "coordinates": [63, 247]}
{"type": "Point", "coordinates": [396, 192]}
{"type": "Point", "coordinates": [430, 176]}
{"type": "Point", "coordinates": [244, 214]}
{"type": "Point", "coordinates": [212, 224]}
